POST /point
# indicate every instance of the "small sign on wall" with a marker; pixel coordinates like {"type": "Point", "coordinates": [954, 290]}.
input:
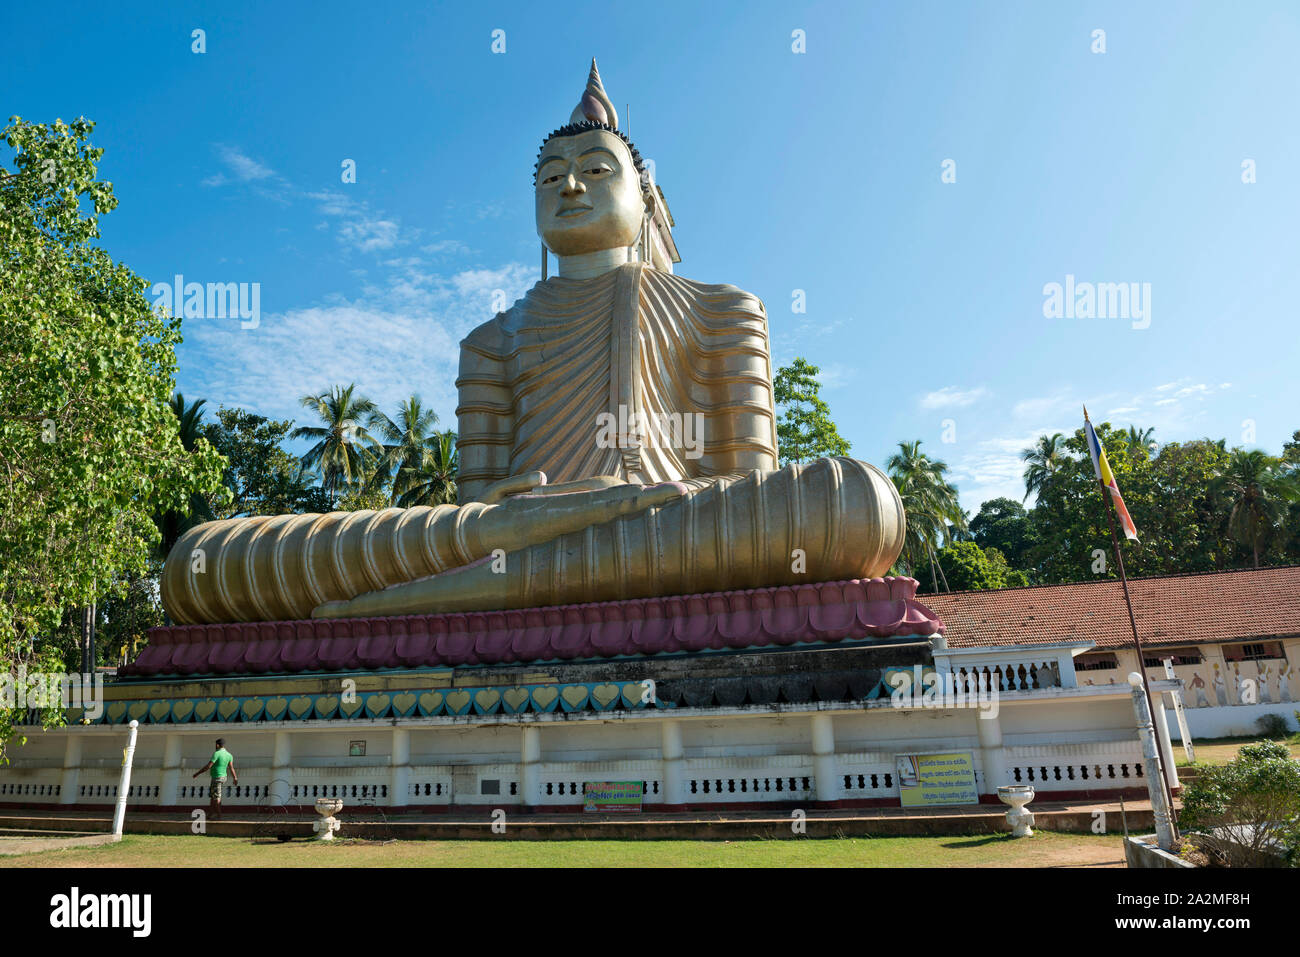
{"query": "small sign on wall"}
{"type": "Point", "coordinates": [612, 795]}
{"type": "Point", "coordinates": [946, 777]}
{"type": "Point", "coordinates": [356, 749]}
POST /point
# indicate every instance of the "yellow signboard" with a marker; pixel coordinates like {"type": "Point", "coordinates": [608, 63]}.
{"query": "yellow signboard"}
{"type": "Point", "coordinates": [927, 780]}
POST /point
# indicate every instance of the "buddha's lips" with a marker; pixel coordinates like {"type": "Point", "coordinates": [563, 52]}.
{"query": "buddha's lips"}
{"type": "Point", "coordinates": [573, 211]}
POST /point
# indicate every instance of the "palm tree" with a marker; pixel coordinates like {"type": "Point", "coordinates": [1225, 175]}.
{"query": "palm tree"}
{"type": "Point", "coordinates": [173, 524]}
{"type": "Point", "coordinates": [407, 442]}
{"type": "Point", "coordinates": [1142, 440]}
{"type": "Point", "coordinates": [930, 504]}
{"type": "Point", "coordinates": [344, 449]}
{"type": "Point", "coordinates": [1260, 488]}
{"type": "Point", "coordinates": [1042, 461]}
{"type": "Point", "coordinates": [433, 480]}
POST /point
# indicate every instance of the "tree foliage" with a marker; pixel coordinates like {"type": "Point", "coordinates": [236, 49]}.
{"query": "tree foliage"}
{"type": "Point", "coordinates": [804, 430]}
{"type": "Point", "coordinates": [261, 477]}
{"type": "Point", "coordinates": [89, 444]}
{"type": "Point", "coordinates": [968, 567]}
{"type": "Point", "coordinates": [930, 504]}
{"type": "Point", "coordinates": [1003, 523]}
{"type": "Point", "coordinates": [1243, 810]}
{"type": "Point", "coordinates": [345, 452]}
{"type": "Point", "coordinates": [1170, 497]}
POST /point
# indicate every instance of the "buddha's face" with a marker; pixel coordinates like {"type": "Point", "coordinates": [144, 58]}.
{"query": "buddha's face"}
{"type": "Point", "coordinates": [588, 194]}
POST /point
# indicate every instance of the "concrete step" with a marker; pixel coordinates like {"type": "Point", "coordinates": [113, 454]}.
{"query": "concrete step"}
{"type": "Point", "coordinates": [472, 825]}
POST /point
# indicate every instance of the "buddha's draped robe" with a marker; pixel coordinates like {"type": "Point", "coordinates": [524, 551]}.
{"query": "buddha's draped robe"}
{"type": "Point", "coordinates": [539, 387]}
{"type": "Point", "coordinates": [636, 341]}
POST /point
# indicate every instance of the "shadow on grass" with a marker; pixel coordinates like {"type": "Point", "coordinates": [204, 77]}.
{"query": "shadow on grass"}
{"type": "Point", "coordinates": [979, 841]}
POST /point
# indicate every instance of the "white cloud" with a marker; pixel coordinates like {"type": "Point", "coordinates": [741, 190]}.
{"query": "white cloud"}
{"type": "Point", "coordinates": [370, 234]}
{"type": "Point", "coordinates": [1048, 406]}
{"type": "Point", "coordinates": [359, 227]}
{"type": "Point", "coordinates": [240, 168]}
{"type": "Point", "coordinates": [952, 397]}
{"type": "Point", "coordinates": [444, 246]}
{"type": "Point", "coordinates": [391, 342]}
{"type": "Point", "coordinates": [991, 467]}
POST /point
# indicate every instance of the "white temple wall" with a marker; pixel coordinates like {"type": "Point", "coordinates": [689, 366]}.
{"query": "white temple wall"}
{"type": "Point", "coordinates": [1234, 721]}
{"type": "Point", "coordinates": [1056, 739]}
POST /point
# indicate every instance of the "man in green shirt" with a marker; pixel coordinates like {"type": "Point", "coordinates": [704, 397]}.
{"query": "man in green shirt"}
{"type": "Point", "coordinates": [220, 762]}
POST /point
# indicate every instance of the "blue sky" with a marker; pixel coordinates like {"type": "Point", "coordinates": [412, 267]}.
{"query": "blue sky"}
{"type": "Point", "coordinates": [818, 171]}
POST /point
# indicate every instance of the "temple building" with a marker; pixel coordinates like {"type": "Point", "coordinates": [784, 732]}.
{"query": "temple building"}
{"type": "Point", "coordinates": [1233, 637]}
{"type": "Point", "coordinates": [601, 606]}
{"type": "Point", "coordinates": [766, 698]}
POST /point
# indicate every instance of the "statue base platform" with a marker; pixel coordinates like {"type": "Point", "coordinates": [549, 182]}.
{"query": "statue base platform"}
{"type": "Point", "coordinates": [767, 619]}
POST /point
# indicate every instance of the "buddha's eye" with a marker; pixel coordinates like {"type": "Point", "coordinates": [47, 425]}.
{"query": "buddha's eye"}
{"type": "Point", "coordinates": [551, 179]}
{"type": "Point", "coordinates": [598, 170]}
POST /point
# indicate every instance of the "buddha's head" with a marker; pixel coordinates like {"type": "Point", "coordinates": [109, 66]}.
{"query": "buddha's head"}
{"type": "Point", "coordinates": [591, 183]}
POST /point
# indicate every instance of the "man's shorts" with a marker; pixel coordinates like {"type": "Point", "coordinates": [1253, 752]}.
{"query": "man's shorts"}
{"type": "Point", "coordinates": [215, 789]}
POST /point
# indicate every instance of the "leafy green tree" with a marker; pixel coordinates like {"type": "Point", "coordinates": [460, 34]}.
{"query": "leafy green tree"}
{"type": "Point", "coordinates": [1242, 810]}
{"type": "Point", "coordinates": [1042, 461]}
{"type": "Point", "coordinates": [345, 451]}
{"type": "Point", "coordinates": [804, 430]}
{"type": "Point", "coordinates": [174, 523]}
{"type": "Point", "coordinates": [433, 481]}
{"type": "Point", "coordinates": [1169, 496]}
{"type": "Point", "coordinates": [261, 477]}
{"type": "Point", "coordinates": [88, 441]}
{"type": "Point", "coordinates": [1003, 523]}
{"type": "Point", "coordinates": [1291, 449]}
{"type": "Point", "coordinates": [355, 498]}
{"type": "Point", "coordinates": [1142, 440]}
{"type": "Point", "coordinates": [930, 504]}
{"type": "Point", "coordinates": [407, 445]}
{"type": "Point", "coordinates": [1260, 488]}
{"type": "Point", "coordinates": [971, 568]}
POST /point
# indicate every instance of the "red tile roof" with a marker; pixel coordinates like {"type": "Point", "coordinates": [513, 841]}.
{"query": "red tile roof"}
{"type": "Point", "coordinates": [1170, 610]}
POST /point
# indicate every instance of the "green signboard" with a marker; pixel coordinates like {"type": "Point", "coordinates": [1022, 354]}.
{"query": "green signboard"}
{"type": "Point", "coordinates": [612, 795]}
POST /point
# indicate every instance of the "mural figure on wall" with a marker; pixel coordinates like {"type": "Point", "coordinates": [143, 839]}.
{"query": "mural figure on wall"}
{"type": "Point", "coordinates": [1220, 690]}
{"type": "Point", "coordinates": [1265, 674]}
{"type": "Point", "coordinates": [1198, 684]}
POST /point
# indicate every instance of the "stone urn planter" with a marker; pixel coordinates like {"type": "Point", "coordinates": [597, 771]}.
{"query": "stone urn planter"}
{"type": "Point", "coordinates": [328, 823]}
{"type": "Point", "coordinates": [1016, 796]}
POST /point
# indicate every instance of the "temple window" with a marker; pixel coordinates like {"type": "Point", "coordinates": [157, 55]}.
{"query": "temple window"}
{"type": "Point", "coordinates": [1097, 661]}
{"type": "Point", "coordinates": [1253, 651]}
{"type": "Point", "coordinates": [1181, 656]}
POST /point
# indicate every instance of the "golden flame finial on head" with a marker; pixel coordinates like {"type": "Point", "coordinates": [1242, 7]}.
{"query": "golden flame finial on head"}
{"type": "Point", "coordinates": [595, 106]}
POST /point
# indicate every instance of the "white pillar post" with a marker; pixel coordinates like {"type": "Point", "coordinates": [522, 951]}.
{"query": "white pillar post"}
{"type": "Point", "coordinates": [71, 769]}
{"type": "Point", "coordinates": [399, 773]}
{"type": "Point", "coordinates": [826, 766]}
{"type": "Point", "coordinates": [1166, 745]}
{"type": "Point", "coordinates": [281, 769]}
{"type": "Point", "coordinates": [119, 813]}
{"type": "Point", "coordinates": [989, 728]}
{"type": "Point", "coordinates": [1155, 787]}
{"type": "Point", "coordinates": [171, 770]}
{"type": "Point", "coordinates": [530, 756]}
{"type": "Point", "coordinates": [673, 756]}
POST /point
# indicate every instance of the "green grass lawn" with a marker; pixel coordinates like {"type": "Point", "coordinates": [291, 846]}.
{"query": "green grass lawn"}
{"type": "Point", "coordinates": [1223, 750]}
{"type": "Point", "coordinates": [1044, 849]}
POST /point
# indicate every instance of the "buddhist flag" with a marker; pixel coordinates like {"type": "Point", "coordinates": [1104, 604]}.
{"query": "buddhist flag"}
{"type": "Point", "coordinates": [1107, 478]}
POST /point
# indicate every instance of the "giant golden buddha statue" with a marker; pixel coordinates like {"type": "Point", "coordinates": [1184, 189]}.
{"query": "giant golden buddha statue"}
{"type": "Point", "coordinates": [617, 440]}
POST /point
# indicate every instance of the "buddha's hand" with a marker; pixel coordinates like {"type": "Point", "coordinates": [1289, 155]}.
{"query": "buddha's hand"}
{"type": "Point", "coordinates": [549, 511]}
{"type": "Point", "coordinates": [531, 518]}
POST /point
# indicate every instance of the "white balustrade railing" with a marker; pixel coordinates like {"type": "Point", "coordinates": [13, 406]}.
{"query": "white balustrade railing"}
{"type": "Point", "coordinates": [1011, 668]}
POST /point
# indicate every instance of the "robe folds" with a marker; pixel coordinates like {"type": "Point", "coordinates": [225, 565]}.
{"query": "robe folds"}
{"type": "Point", "coordinates": [575, 363]}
